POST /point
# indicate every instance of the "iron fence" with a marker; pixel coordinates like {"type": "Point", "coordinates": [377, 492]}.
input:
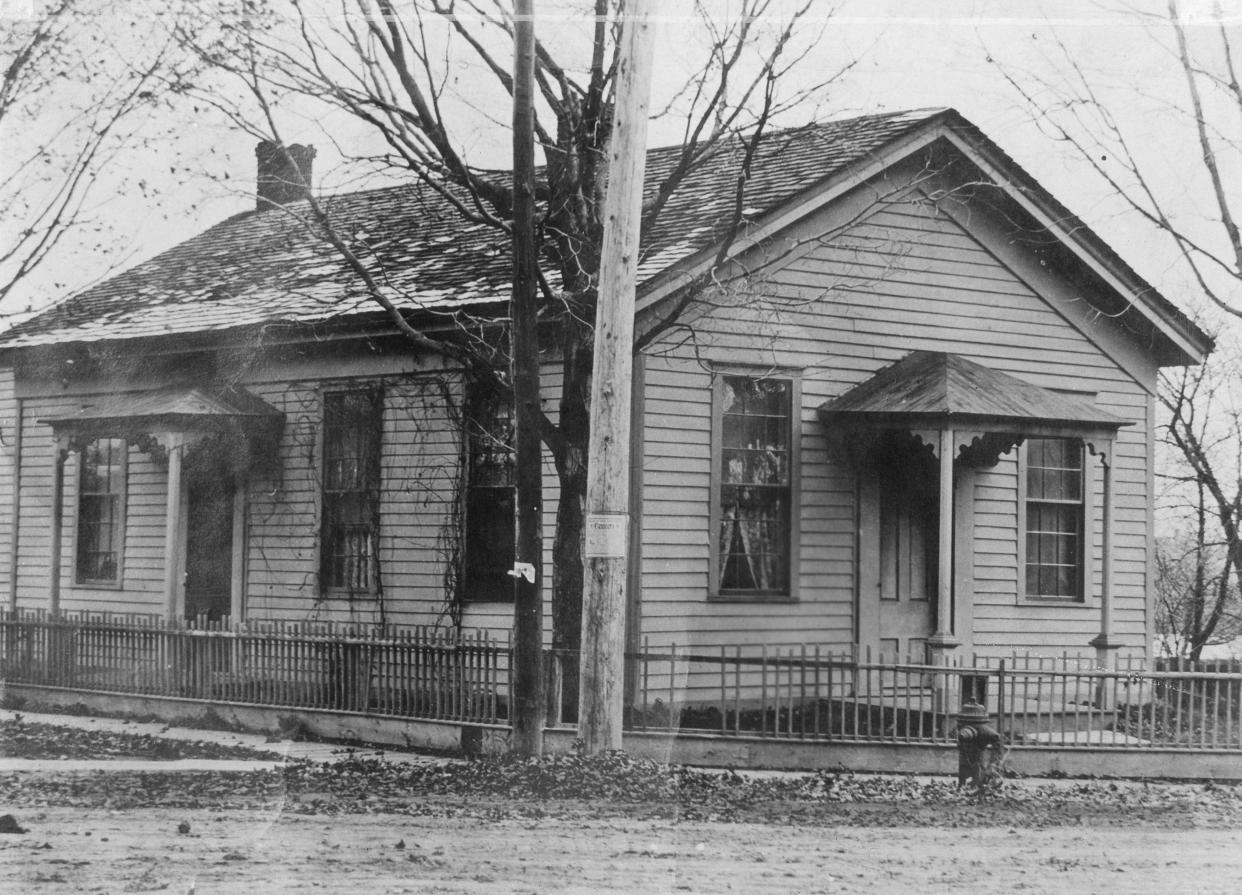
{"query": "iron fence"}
{"type": "Point", "coordinates": [801, 692]}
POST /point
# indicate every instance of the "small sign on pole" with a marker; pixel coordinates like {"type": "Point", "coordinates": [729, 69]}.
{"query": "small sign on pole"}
{"type": "Point", "coordinates": [606, 535]}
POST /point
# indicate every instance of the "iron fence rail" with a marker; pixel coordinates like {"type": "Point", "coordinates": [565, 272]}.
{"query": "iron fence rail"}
{"type": "Point", "coordinates": [804, 693]}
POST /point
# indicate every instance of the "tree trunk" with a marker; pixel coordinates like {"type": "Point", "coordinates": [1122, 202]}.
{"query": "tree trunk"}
{"type": "Point", "coordinates": [571, 471]}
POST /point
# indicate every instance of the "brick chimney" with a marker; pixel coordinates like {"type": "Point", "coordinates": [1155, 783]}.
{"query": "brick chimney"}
{"type": "Point", "coordinates": [284, 173]}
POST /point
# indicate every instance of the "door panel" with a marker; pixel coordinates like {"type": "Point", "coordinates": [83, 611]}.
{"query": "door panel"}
{"type": "Point", "coordinates": [907, 552]}
{"type": "Point", "coordinates": [209, 538]}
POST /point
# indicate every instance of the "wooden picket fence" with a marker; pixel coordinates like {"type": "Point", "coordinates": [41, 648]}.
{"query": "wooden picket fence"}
{"type": "Point", "coordinates": [414, 672]}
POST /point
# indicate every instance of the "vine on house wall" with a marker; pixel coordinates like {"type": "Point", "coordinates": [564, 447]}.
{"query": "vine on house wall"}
{"type": "Point", "coordinates": [417, 469]}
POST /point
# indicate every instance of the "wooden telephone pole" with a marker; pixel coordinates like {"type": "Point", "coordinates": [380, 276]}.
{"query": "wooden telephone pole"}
{"type": "Point", "coordinates": [528, 701]}
{"type": "Point", "coordinates": [601, 687]}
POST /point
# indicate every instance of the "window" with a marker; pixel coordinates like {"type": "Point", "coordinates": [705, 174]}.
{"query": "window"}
{"type": "Point", "coordinates": [489, 522]}
{"type": "Point", "coordinates": [754, 487]}
{"type": "Point", "coordinates": [352, 426]}
{"type": "Point", "coordinates": [1054, 519]}
{"type": "Point", "coordinates": [101, 511]}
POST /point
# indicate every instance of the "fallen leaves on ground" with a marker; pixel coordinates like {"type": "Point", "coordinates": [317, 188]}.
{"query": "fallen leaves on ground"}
{"type": "Point", "coordinates": [25, 739]}
{"type": "Point", "coordinates": [622, 786]}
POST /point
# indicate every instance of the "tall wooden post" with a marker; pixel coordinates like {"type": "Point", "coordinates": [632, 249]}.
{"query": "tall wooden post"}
{"type": "Point", "coordinates": [943, 641]}
{"type": "Point", "coordinates": [15, 508]}
{"type": "Point", "coordinates": [1105, 643]}
{"type": "Point", "coordinates": [601, 692]}
{"type": "Point", "coordinates": [60, 453]}
{"type": "Point", "coordinates": [174, 532]}
{"type": "Point", "coordinates": [527, 676]}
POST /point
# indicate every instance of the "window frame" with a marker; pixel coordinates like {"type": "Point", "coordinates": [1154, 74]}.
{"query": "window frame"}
{"type": "Point", "coordinates": [375, 394]}
{"type": "Point", "coordinates": [474, 394]}
{"type": "Point", "coordinates": [121, 497]}
{"type": "Point", "coordinates": [791, 593]}
{"type": "Point", "coordinates": [1087, 514]}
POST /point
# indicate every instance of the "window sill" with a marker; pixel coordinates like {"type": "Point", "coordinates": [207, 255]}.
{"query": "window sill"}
{"type": "Point", "coordinates": [752, 598]}
{"type": "Point", "coordinates": [1024, 600]}
{"type": "Point", "coordinates": [348, 595]}
{"type": "Point", "coordinates": [96, 585]}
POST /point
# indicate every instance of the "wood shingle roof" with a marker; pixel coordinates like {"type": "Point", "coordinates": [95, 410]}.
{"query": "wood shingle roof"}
{"type": "Point", "coordinates": [273, 267]}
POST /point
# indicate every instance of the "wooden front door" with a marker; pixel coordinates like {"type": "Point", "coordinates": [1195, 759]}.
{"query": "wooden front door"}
{"type": "Point", "coordinates": [209, 538]}
{"type": "Point", "coordinates": [908, 503]}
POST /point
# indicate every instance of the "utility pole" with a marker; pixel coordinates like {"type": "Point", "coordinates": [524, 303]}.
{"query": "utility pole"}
{"type": "Point", "coordinates": [601, 688]}
{"type": "Point", "coordinates": [527, 672]}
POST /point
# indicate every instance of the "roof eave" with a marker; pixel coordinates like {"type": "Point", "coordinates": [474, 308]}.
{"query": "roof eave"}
{"type": "Point", "coordinates": [1182, 342]}
{"type": "Point", "coordinates": [1185, 342]}
{"type": "Point", "coordinates": [1030, 426]}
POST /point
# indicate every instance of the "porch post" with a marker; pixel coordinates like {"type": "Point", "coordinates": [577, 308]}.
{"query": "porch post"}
{"type": "Point", "coordinates": [60, 453]}
{"type": "Point", "coordinates": [237, 574]}
{"type": "Point", "coordinates": [174, 533]}
{"type": "Point", "coordinates": [943, 642]}
{"type": "Point", "coordinates": [1106, 645]}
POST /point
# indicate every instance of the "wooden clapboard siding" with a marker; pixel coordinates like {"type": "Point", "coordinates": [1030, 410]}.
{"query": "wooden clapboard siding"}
{"type": "Point", "coordinates": [141, 586]}
{"type": "Point", "coordinates": [281, 509]}
{"type": "Point", "coordinates": [9, 428]}
{"type": "Point", "coordinates": [905, 278]}
{"type": "Point", "coordinates": [420, 458]}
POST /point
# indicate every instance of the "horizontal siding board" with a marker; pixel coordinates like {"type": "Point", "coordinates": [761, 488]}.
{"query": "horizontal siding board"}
{"type": "Point", "coordinates": [903, 281]}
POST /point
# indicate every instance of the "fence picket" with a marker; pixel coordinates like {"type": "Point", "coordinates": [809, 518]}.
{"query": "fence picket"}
{"type": "Point", "coordinates": [807, 693]}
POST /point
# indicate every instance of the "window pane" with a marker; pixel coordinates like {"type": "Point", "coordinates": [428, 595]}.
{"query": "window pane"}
{"type": "Point", "coordinates": [351, 483]}
{"type": "Point", "coordinates": [1054, 518]}
{"type": "Point", "coordinates": [753, 543]}
{"type": "Point", "coordinates": [100, 501]}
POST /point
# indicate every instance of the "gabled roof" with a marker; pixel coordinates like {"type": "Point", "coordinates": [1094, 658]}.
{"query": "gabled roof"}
{"type": "Point", "coordinates": [932, 388]}
{"type": "Point", "coordinates": [271, 267]}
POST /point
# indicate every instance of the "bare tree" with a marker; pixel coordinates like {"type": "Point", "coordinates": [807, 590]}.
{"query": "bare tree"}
{"type": "Point", "coordinates": [1199, 570]}
{"type": "Point", "coordinates": [1080, 108]}
{"type": "Point", "coordinates": [1196, 209]}
{"type": "Point", "coordinates": [393, 68]}
{"type": "Point", "coordinates": [1197, 600]}
{"type": "Point", "coordinates": [76, 84]}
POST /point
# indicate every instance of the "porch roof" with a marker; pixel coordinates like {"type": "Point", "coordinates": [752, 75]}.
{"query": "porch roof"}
{"type": "Point", "coordinates": [937, 389]}
{"type": "Point", "coordinates": [170, 409]}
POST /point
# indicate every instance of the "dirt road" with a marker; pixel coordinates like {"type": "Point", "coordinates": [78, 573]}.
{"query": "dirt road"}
{"type": "Point", "coordinates": [93, 850]}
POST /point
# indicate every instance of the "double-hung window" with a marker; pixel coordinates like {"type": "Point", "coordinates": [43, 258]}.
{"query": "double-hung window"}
{"type": "Point", "coordinates": [349, 537]}
{"type": "Point", "coordinates": [1055, 519]}
{"type": "Point", "coordinates": [489, 505]}
{"type": "Point", "coordinates": [101, 512]}
{"type": "Point", "coordinates": [754, 499]}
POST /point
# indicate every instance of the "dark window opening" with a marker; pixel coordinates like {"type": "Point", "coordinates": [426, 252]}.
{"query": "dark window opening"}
{"type": "Point", "coordinates": [352, 428]}
{"type": "Point", "coordinates": [489, 505]}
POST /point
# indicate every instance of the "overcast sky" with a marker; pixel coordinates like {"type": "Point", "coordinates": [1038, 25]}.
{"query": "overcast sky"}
{"type": "Point", "coordinates": [910, 55]}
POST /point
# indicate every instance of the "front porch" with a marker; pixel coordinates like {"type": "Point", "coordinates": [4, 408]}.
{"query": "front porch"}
{"type": "Point", "coordinates": [920, 436]}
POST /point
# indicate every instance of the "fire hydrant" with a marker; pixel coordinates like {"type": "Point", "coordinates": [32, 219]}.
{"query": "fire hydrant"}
{"type": "Point", "coordinates": [978, 744]}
